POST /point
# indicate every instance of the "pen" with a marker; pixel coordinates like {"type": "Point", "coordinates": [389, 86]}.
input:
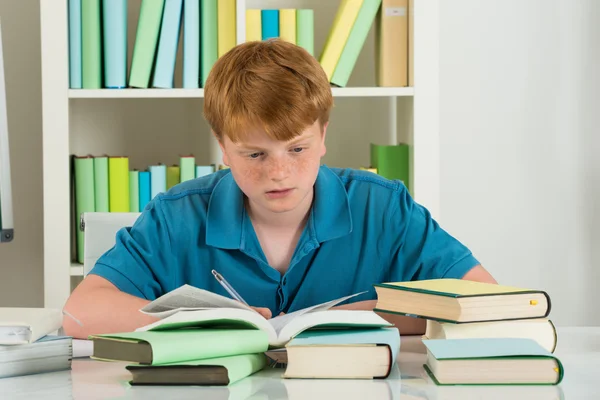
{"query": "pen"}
{"type": "Point", "coordinates": [228, 287]}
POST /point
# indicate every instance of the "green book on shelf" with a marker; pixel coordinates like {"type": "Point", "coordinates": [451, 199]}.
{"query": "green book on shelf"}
{"type": "Point", "coordinates": [392, 162]}
{"type": "Point", "coordinates": [91, 56]}
{"type": "Point", "coordinates": [491, 361]}
{"type": "Point", "coordinates": [101, 183]}
{"type": "Point", "coordinates": [146, 40]}
{"type": "Point", "coordinates": [355, 42]}
{"type": "Point", "coordinates": [208, 37]}
{"type": "Point", "coordinates": [173, 174]}
{"type": "Point", "coordinates": [177, 345]}
{"type": "Point", "coordinates": [188, 168]}
{"type": "Point", "coordinates": [84, 195]}
{"type": "Point", "coordinates": [305, 30]}
{"type": "Point", "coordinates": [118, 179]}
{"type": "Point", "coordinates": [220, 371]}
{"type": "Point", "coordinates": [134, 191]}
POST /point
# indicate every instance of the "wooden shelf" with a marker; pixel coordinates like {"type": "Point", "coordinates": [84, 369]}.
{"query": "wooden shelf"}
{"type": "Point", "coordinates": [199, 93]}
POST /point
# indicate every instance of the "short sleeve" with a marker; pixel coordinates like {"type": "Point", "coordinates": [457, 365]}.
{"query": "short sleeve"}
{"type": "Point", "coordinates": [140, 261]}
{"type": "Point", "coordinates": [423, 250]}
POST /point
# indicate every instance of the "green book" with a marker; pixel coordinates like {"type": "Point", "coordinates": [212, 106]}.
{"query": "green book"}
{"type": "Point", "coordinates": [101, 183]}
{"type": "Point", "coordinates": [134, 191]}
{"type": "Point", "coordinates": [305, 30]}
{"type": "Point", "coordinates": [118, 183]}
{"type": "Point", "coordinates": [208, 37]}
{"type": "Point", "coordinates": [84, 196]}
{"type": "Point", "coordinates": [220, 371]}
{"type": "Point", "coordinates": [392, 162]}
{"type": "Point", "coordinates": [146, 40]}
{"type": "Point", "coordinates": [491, 361]}
{"type": "Point", "coordinates": [170, 346]}
{"type": "Point", "coordinates": [188, 168]}
{"type": "Point", "coordinates": [91, 49]}
{"type": "Point", "coordinates": [355, 42]}
{"type": "Point", "coordinates": [173, 174]}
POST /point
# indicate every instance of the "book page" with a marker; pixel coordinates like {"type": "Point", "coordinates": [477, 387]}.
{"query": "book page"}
{"type": "Point", "coordinates": [186, 298]}
{"type": "Point", "coordinates": [278, 323]}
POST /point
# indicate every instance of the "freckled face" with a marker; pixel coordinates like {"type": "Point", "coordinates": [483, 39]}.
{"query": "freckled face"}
{"type": "Point", "coordinates": [276, 176]}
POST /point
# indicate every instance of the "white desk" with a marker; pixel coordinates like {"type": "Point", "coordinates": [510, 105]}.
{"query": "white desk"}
{"type": "Point", "coordinates": [578, 349]}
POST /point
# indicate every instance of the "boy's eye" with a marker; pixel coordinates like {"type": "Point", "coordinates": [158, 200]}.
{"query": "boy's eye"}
{"type": "Point", "coordinates": [297, 149]}
{"type": "Point", "coordinates": [255, 155]}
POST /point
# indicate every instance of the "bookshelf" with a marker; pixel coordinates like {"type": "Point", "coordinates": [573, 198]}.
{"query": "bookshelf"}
{"type": "Point", "coordinates": [66, 113]}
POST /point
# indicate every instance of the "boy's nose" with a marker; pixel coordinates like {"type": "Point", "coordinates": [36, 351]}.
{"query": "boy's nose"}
{"type": "Point", "coordinates": [277, 170]}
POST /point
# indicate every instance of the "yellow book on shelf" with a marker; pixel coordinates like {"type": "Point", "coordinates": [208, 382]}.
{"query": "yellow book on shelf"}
{"type": "Point", "coordinates": [253, 25]}
{"type": "Point", "coordinates": [118, 183]}
{"type": "Point", "coordinates": [173, 176]}
{"type": "Point", "coordinates": [225, 26]}
{"type": "Point", "coordinates": [287, 25]}
{"type": "Point", "coordinates": [338, 34]}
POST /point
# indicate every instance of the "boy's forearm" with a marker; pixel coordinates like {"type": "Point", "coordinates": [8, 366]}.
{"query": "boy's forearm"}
{"type": "Point", "coordinates": [406, 325]}
{"type": "Point", "coordinates": [103, 310]}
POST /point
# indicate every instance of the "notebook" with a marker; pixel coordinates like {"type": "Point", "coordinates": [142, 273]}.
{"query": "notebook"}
{"type": "Point", "coordinates": [188, 307]}
{"type": "Point", "coordinates": [489, 361]}
{"type": "Point", "coordinates": [459, 301]}
{"type": "Point", "coordinates": [47, 354]}
{"type": "Point", "coordinates": [220, 371]}
{"type": "Point", "coordinates": [343, 354]}
{"type": "Point", "coordinates": [20, 325]}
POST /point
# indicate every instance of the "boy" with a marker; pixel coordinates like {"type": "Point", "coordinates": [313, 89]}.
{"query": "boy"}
{"type": "Point", "coordinates": [285, 231]}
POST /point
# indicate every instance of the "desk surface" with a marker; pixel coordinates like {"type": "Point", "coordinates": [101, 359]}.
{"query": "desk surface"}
{"type": "Point", "coordinates": [578, 349]}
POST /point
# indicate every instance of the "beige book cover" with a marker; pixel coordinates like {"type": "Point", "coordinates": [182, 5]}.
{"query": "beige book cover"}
{"type": "Point", "coordinates": [391, 50]}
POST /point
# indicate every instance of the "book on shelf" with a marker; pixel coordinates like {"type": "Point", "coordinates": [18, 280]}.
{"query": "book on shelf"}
{"type": "Point", "coordinates": [305, 30]}
{"type": "Point", "coordinates": [146, 41]}
{"type": "Point", "coordinates": [392, 43]}
{"type": "Point", "coordinates": [168, 42]}
{"type": "Point", "coordinates": [392, 162]}
{"type": "Point", "coordinates": [91, 44]}
{"type": "Point", "coordinates": [191, 44]}
{"type": "Point", "coordinates": [221, 371]}
{"type": "Point", "coordinates": [269, 24]}
{"type": "Point", "coordinates": [190, 307]}
{"type": "Point", "coordinates": [342, 354]}
{"type": "Point", "coordinates": [287, 25]}
{"type": "Point", "coordinates": [461, 301]}
{"type": "Point", "coordinates": [491, 361]}
{"type": "Point", "coordinates": [114, 43]}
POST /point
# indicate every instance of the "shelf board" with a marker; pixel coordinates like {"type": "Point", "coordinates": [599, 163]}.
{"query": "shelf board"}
{"type": "Point", "coordinates": [199, 93]}
{"type": "Point", "coordinates": [76, 269]}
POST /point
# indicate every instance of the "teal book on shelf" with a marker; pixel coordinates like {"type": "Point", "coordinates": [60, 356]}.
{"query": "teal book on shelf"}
{"type": "Point", "coordinates": [144, 191]}
{"type": "Point", "coordinates": [191, 44]}
{"type": "Point", "coordinates": [75, 44]}
{"type": "Point", "coordinates": [146, 40]}
{"type": "Point", "coordinates": [208, 37]}
{"type": "Point", "coordinates": [91, 42]}
{"type": "Point", "coordinates": [158, 180]}
{"type": "Point", "coordinates": [114, 21]}
{"type": "Point", "coordinates": [270, 24]}
{"type": "Point", "coordinates": [164, 70]}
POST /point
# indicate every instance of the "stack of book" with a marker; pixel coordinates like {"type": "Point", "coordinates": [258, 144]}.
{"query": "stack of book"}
{"type": "Point", "coordinates": [106, 184]}
{"type": "Point", "coordinates": [202, 338]}
{"type": "Point", "coordinates": [479, 333]}
{"type": "Point", "coordinates": [294, 26]}
{"type": "Point", "coordinates": [28, 344]}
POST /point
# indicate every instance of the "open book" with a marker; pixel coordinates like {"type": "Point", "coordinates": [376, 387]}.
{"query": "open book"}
{"type": "Point", "coordinates": [188, 306]}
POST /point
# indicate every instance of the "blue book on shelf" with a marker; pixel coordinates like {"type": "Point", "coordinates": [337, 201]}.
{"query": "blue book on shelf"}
{"type": "Point", "coordinates": [144, 182]}
{"type": "Point", "coordinates": [75, 81]}
{"type": "Point", "coordinates": [191, 44]}
{"type": "Point", "coordinates": [114, 21]}
{"type": "Point", "coordinates": [158, 180]}
{"type": "Point", "coordinates": [203, 170]}
{"type": "Point", "coordinates": [270, 23]}
{"type": "Point", "coordinates": [164, 72]}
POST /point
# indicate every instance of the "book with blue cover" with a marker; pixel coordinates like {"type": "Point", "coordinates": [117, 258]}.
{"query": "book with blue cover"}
{"type": "Point", "coordinates": [491, 361]}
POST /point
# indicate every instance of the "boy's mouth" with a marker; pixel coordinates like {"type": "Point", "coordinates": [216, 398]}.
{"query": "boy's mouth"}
{"type": "Point", "coordinates": [276, 194]}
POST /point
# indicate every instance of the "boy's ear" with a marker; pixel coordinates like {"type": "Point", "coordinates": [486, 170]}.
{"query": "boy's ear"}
{"type": "Point", "coordinates": [323, 134]}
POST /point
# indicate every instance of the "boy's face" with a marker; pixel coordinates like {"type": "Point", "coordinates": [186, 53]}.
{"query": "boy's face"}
{"type": "Point", "coordinates": [276, 176]}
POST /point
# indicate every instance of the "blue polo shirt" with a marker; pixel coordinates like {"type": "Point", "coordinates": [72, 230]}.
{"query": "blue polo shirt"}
{"type": "Point", "coordinates": [362, 229]}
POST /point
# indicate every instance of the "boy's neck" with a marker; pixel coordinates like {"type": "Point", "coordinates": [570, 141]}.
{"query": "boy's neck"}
{"type": "Point", "coordinates": [294, 219]}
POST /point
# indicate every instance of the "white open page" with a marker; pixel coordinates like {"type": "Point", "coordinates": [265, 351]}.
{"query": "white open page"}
{"type": "Point", "coordinates": [186, 298]}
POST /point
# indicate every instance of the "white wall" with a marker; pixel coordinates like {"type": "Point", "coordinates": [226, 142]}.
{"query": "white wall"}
{"type": "Point", "coordinates": [519, 123]}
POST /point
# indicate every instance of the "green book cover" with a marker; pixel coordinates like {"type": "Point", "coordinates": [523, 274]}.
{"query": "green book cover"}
{"type": "Point", "coordinates": [173, 173]}
{"type": "Point", "coordinates": [392, 162]}
{"type": "Point", "coordinates": [84, 196]}
{"type": "Point", "coordinates": [101, 183]}
{"type": "Point", "coordinates": [146, 40]}
{"type": "Point", "coordinates": [134, 191]}
{"type": "Point", "coordinates": [208, 37]}
{"type": "Point", "coordinates": [118, 182]}
{"type": "Point", "coordinates": [355, 42]}
{"type": "Point", "coordinates": [305, 30]}
{"type": "Point", "coordinates": [170, 346]}
{"type": "Point", "coordinates": [91, 45]}
{"type": "Point", "coordinates": [188, 168]}
{"type": "Point", "coordinates": [237, 367]}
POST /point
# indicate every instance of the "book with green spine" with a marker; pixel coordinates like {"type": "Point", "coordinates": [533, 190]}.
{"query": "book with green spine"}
{"type": "Point", "coordinates": [84, 196]}
{"type": "Point", "coordinates": [118, 179]}
{"type": "Point", "coordinates": [101, 183]}
{"type": "Point", "coordinates": [146, 40]}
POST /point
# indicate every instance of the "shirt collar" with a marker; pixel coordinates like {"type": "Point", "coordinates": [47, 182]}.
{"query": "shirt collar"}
{"type": "Point", "coordinates": [330, 214]}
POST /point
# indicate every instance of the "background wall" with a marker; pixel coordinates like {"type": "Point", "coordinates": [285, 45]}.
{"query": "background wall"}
{"type": "Point", "coordinates": [519, 180]}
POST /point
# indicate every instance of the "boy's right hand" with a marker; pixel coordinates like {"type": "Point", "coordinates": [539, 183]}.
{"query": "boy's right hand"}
{"type": "Point", "coordinates": [265, 312]}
